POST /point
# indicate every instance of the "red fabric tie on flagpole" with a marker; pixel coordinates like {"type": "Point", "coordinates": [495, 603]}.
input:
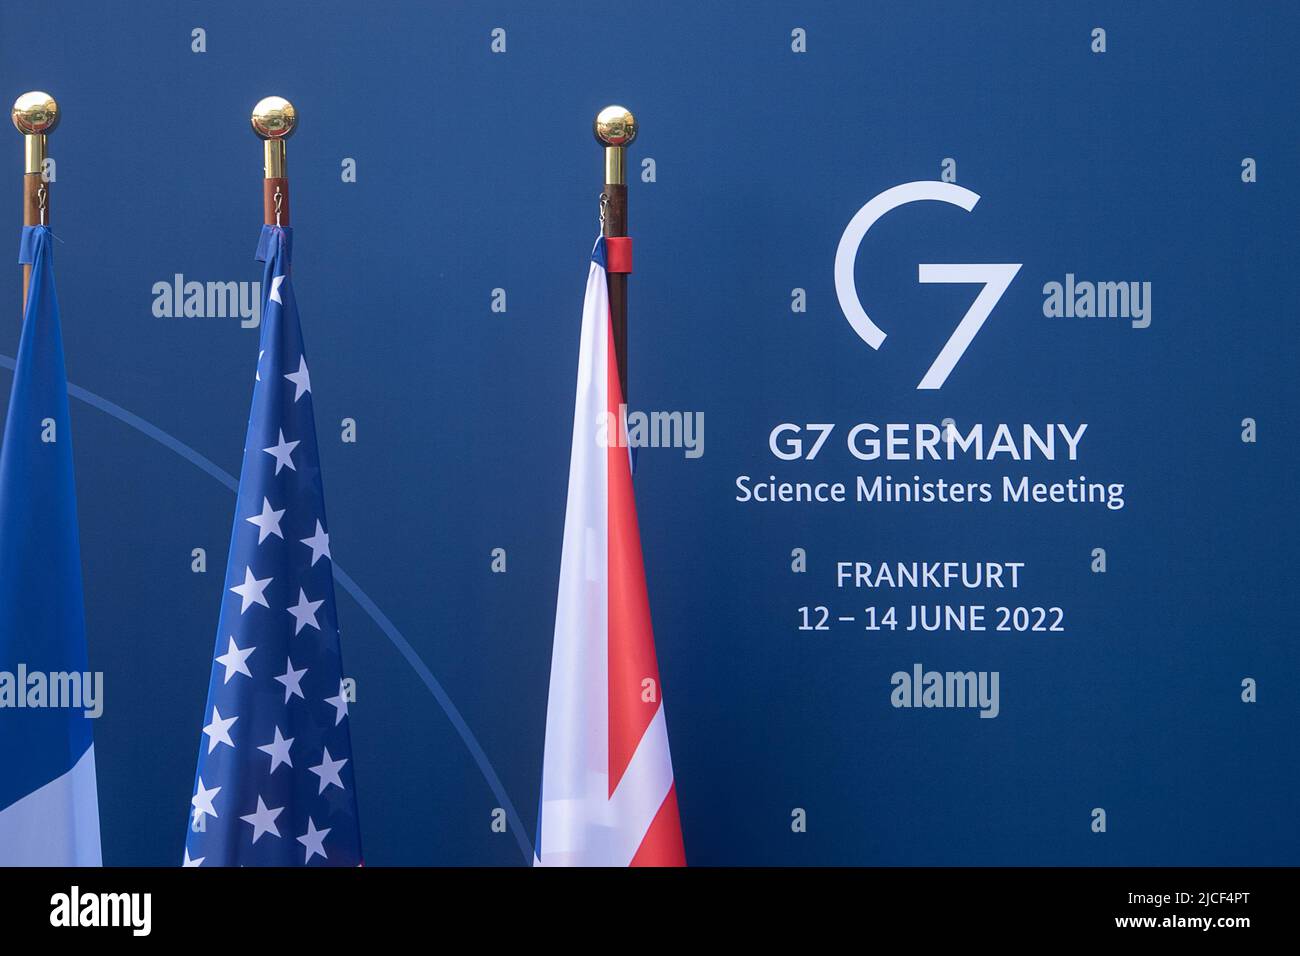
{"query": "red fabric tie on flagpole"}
{"type": "Point", "coordinates": [618, 254]}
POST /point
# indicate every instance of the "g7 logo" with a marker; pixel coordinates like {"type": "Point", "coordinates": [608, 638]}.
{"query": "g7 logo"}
{"type": "Point", "coordinates": [995, 276]}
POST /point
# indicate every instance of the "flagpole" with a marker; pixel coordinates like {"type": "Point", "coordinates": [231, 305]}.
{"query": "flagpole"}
{"type": "Point", "coordinates": [615, 129]}
{"type": "Point", "coordinates": [274, 120]}
{"type": "Point", "coordinates": [35, 114]}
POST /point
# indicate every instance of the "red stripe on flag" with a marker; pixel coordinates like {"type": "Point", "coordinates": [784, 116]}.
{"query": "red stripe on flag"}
{"type": "Point", "coordinates": [662, 845]}
{"type": "Point", "coordinates": [631, 651]}
{"type": "Point", "coordinates": [631, 637]}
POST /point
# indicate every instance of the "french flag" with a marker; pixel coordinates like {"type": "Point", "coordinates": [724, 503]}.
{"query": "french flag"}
{"type": "Point", "coordinates": [608, 797]}
{"type": "Point", "coordinates": [49, 807]}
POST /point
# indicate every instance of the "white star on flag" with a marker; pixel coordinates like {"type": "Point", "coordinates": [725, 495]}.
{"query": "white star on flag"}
{"type": "Point", "coordinates": [314, 840]}
{"type": "Point", "coordinates": [304, 612]}
{"type": "Point", "coordinates": [235, 660]}
{"type": "Point", "coordinates": [319, 544]}
{"type": "Point", "coordinates": [301, 379]}
{"type": "Point", "coordinates": [263, 820]}
{"type": "Point", "coordinates": [328, 771]}
{"type": "Point", "coordinates": [219, 731]}
{"type": "Point", "coordinates": [268, 522]}
{"type": "Point", "coordinates": [275, 289]}
{"type": "Point", "coordinates": [340, 704]}
{"type": "Point", "coordinates": [202, 801]}
{"type": "Point", "coordinates": [282, 452]}
{"type": "Point", "coordinates": [279, 751]}
{"type": "Point", "coordinates": [196, 862]}
{"type": "Point", "coordinates": [252, 591]}
{"type": "Point", "coordinates": [292, 681]}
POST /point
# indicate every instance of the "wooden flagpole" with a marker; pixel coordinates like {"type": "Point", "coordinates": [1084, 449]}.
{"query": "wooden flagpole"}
{"type": "Point", "coordinates": [35, 115]}
{"type": "Point", "coordinates": [274, 120]}
{"type": "Point", "coordinates": [615, 129]}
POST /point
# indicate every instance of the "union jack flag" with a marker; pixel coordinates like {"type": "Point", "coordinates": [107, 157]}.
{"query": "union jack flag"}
{"type": "Point", "coordinates": [608, 795]}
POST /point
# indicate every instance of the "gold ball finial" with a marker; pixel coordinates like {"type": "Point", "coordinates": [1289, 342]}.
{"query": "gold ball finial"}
{"type": "Point", "coordinates": [35, 113]}
{"type": "Point", "coordinates": [615, 126]}
{"type": "Point", "coordinates": [274, 118]}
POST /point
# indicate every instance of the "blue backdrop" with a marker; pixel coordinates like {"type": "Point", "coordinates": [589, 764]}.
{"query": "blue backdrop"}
{"type": "Point", "coordinates": [477, 171]}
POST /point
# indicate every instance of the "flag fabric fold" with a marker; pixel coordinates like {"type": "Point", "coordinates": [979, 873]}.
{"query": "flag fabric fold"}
{"type": "Point", "coordinates": [608, 794]}
{"type": "Point", "coordinates": [275, 784]}
{"type": "Point", "coordinates": [49, 810]}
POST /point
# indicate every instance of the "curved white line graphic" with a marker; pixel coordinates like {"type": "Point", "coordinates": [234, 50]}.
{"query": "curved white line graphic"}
{"type": "Point", "coordinates": [846, 289]}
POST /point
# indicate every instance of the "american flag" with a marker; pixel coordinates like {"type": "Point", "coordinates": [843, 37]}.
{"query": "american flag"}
{"type": "Point", "coordinates": [274, 784]}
